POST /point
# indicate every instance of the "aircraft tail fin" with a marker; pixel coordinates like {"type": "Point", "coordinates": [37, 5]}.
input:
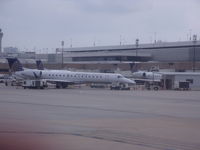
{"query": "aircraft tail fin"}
{"type": "Point", "coordinates": [40, 65]}
{"type": "Point", "coordinates": [14, 64]}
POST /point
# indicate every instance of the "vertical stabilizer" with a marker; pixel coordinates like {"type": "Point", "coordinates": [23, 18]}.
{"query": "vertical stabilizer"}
{"type": "Point", "coordinates": [40, 65]}
{"type": "Point", "coordinates": [14, 64]}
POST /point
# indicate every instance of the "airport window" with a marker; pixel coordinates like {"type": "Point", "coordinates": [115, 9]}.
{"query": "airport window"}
{"type": "Point", "coordinates": [190, 80]}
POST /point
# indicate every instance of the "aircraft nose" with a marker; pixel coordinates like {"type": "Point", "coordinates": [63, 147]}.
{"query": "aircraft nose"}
{"type": "Point", "coordinates": [135, 74]}
{"type": "Point", "coordinates": [130, 81]}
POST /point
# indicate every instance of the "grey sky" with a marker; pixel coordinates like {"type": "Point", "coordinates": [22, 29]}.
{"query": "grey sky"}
{"type": "Point", "coordinates": [44, 23]}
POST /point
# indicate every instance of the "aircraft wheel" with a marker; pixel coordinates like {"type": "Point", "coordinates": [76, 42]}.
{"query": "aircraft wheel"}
{"type": "Point", "coordinates": [155, 88]}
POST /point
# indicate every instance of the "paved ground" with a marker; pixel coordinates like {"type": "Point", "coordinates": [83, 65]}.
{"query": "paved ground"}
{"type": "Point", "coordinates": [88, 119]}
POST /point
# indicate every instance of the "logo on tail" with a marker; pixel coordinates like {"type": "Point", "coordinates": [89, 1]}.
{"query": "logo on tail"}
{"type": "Point", "coordinates": [40, 65]}
{"type": "Point", "coordinates": [14, 64]}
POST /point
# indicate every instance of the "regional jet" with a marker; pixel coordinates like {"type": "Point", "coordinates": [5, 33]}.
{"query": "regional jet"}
{"type": "Point", "coordinates": [147, 76]}
{"type": "Point", "coordinates": [63, 78]}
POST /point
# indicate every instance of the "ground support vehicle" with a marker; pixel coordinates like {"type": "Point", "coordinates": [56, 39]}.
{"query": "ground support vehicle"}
{"type": "Point", "coordinates": [34, 84]}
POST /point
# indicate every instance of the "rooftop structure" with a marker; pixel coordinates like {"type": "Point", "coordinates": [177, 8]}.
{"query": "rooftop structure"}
{"type": "Point", "coordinates": [162, 51]}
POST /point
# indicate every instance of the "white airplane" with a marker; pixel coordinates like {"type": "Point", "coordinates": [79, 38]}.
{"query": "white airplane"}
{"type": "Point", "coordinates": [63, 78]}
{"type": "Point", "coordinates": [147, 76]}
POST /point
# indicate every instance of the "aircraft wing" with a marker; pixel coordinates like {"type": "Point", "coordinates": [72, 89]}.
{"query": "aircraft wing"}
{"type": "Point", "coordinates": [58, 81]}
{"type": "Point", "coordinates": [146, 80]}
{"type": "Point", "coordinates": [54, 81]}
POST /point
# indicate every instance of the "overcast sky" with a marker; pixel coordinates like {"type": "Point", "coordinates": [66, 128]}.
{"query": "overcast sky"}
{"type": "Point", "coordinates": [45, 23]}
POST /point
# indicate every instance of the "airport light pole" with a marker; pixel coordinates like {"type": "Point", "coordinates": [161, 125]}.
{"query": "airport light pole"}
{"type": "Point", "coordinates": [194, 53]}
{"type": "Point", "coordinates": [62, 44]}
{"type": "Point", "coordinates": [137, 45]}
{"type": "Point", "coordinates": [120, 42]}
{"type": "Point", "coordinates": [1, 36]}
{"type": "Point", "coordinates": [71, 43]}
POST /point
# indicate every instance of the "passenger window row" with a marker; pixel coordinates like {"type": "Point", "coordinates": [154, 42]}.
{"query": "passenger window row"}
{"type": "Point", "coordinates": [75, 76]}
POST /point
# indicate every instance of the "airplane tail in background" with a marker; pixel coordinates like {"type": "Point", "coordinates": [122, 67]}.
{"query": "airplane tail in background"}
{"type": "Point", "coordinates": [14, 64]}
{"type": "Point", "coordinates": [40, 65]}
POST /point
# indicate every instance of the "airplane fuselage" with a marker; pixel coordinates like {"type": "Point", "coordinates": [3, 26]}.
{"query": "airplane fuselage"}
{"type": "Point", "coordinates": [73, 77]}
{"type": "Point", "coordinates": [147, 75]}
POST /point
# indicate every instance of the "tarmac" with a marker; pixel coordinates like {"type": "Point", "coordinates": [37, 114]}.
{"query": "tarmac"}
{"type": "Point", "coordinates": [98, 119]}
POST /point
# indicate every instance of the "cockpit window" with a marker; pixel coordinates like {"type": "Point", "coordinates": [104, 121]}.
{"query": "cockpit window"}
{"type": "Point", "coordinates": [119, 76]}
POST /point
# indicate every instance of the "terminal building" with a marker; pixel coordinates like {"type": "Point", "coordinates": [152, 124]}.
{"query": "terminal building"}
{"type": "Point", "coordinates": [159, 52]}
{"type": "Point", "coordinates": [177, 80]}
{"type": "Point", "coordinates": [179, 56]}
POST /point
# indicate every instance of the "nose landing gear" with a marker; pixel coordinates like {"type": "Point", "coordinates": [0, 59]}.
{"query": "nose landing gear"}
{"type": "Point", "coordinates": [119, 86]}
